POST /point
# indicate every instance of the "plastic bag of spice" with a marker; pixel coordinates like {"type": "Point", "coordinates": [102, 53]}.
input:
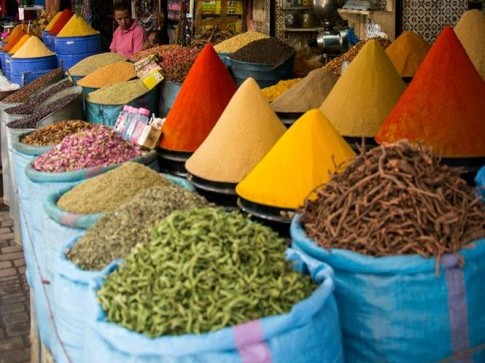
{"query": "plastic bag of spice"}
{"type": "Point", "coordinates": [310, 332]}
{"type": "Point", "coordinates": [407, 313]}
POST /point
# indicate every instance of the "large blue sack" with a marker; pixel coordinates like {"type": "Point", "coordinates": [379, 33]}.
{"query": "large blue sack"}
{"type": "Point", "coordinates": [39, 185]}
{"type": "Point", "coordinates": [310, 332]}
{"type": "Point", "coordinates": [397, 309]}
{"type": "Point", "coordinates": [480, 182]}
{"type": "Point", "coordinates": [70, 283]}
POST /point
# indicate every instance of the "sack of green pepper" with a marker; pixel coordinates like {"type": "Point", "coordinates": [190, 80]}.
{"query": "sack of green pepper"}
{"type": "Point", "coordinates": [212, 286]}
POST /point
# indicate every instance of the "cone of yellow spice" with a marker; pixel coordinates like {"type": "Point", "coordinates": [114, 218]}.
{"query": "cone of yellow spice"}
{"type": "Point", "coordinates": [407, 52]}
{"type": "Point", "coordinates": [470, 30]}
{"type": "Point", "coordinates": [365, 94]}
{"type": "Point", "coordinates": [303, 158]}
{"type": "Point", "coordinates": [244, 133]}
{"type": "Point", "coordinates": [19, 44]}
{"type": "Point", "coordinates": [32, 48]}
{"type": "Point", "coordinates": [76, 27]}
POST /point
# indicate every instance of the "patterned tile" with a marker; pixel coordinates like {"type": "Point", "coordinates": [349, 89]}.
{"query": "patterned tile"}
{"type": "Point", "coordinates": [429, 17]}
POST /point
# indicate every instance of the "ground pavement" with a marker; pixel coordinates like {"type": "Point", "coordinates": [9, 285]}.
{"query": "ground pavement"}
{"type": "Point", "coordinates": [15, 344]}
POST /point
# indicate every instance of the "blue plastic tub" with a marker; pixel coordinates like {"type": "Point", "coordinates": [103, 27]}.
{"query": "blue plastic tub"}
{"type": "Point", "coordinates": [168, 93]}
{"type": "Point", "coordinates": [44, 36]}
{"type": "Point", "coordinates": [265, 75]}
{"type": "Point", "coordinates": [66, 61]}
{"type": "Point", "coordinates": [21, 65]}
{"type": "Point", "coordinates": [6, 71]}
{"type": "Point", "coordinates": [50, 41]}
{"type": "Point", "coordinates": [2, 60]}
{"type": "Point", "coordinates": [90, 44]}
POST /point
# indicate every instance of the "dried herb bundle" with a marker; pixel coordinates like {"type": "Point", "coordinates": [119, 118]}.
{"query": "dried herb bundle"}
{"type": "Point", "coordinates": [396, 199]}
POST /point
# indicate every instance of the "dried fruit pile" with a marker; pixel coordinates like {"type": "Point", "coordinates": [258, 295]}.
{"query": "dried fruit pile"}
{"type": "Point", "coordinates": [396, 199]}
{"type": "Point", "coordinates": [54, 134]}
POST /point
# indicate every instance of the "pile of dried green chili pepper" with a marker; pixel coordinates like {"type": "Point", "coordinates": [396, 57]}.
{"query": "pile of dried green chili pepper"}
{"type": "Point", "coordinates": [204, 269]}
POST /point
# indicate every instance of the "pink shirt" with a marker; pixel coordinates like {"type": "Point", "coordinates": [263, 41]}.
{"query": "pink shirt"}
{"type": "Point", "coordinates": [128, 42]}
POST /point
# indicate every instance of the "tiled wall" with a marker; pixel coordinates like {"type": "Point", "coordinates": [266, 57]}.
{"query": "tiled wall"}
{"type": "Point", "coordinates": [429, 17]}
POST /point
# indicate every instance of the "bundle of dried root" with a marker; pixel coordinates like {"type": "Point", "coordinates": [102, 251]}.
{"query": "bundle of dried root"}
{"type": "Point", "coordinates": [396, 199]}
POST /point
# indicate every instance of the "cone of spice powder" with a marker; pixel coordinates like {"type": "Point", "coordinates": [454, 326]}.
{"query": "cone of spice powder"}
{"type": "Point", "coordinates": [365, 94]}
{"type": "Point", "coordinates": [308, 93]}
{"type": "Point", "coordinates": [16, 35]}
{"type": "Point", "coordinates": [76, 27]}
{"type": "Point", "coordinates": [19, 44]}
{"type": "Point", "coordinates": [470, 30]}
{"type": "Point", "coordinates": [302, 159]}
{"type": "Point", "coordinates": [200, 102]}
{"type": "Point", "coordinates": [53, 21]}
{"type": "Point", "coordinates": [245, 132]}
{"type": "Point", "coordinates": [443, 105]}
{"type": "Point", "coordinates": [62, 20]}
{"type": "Point", "coordinates": [33, 48]}
{"type": "Point", "coordinates": [407, 52]}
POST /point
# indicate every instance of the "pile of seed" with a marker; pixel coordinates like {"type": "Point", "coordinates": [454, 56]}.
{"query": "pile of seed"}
{"type": "Point", "coordinates": [270, 51]}
{"type": "Point", "coordinates": [396, 199]}
{"type": "Point", "coordinates": [174, 60]}
{"type": "Point", "coordinates": [24, 93]}
{"type": "Point", "coordinates": [203, 269]}
{"type": "Point", "coordinates": [55, 133]}
{"type": "Point", "coordinates": [106, 192]}
{"type": "Point", "coordinates": [335, 65]}
{"type": "Point", "coordinates": [273, 92]}
{"type": "Point", "coordinates": [117, 232]}
{"type": "Point", "coordinates": [94, 62]}
{"type": "Point", "coordinates": [118, 93]}
{"type": "Point", "coordinates": [32, 121]}
{"type": "Point", "coordinates": [28, 108]}
{"type": "Point", "coordinates": [99, 146]}
{"type": "Point", "coordinates": [109, 74]}
{"type": "Point", "coordinates": [238, 41]}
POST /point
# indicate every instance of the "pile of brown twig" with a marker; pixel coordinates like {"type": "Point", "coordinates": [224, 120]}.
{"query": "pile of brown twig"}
{"type": "Point", "coordinates": [396, 199]}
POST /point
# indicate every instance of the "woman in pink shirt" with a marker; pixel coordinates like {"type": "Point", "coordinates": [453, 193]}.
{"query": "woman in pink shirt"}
{"type": "Point", "coordinates": [129, 37]}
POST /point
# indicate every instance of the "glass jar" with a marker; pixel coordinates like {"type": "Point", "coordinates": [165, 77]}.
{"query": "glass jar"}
{"type": "Point", "coordinates": [308, 20]}
{"type": "Point", "coordinates": [292, 19]}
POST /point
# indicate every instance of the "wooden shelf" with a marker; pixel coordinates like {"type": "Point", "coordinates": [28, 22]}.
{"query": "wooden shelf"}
{"type": "Point", "coordinates": [302, 30]}
{"type": "Point", "coordinates": [358, 20]}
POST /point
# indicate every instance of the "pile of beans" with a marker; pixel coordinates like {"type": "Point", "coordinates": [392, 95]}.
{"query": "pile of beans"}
{"type": "Point", "coordinates": [203, 269]}
{"type": "Point", "coordinates": [270, 51]}
{"type": "Point", "coordinates": [97, 147]}
{"type": "Point", "coordinates": [117, 232]}
{"type": "Point", "coordinates": [106, 192]}
{"type": "Point", "coordinates": [54, 134]}
{"type": "Point", "coordinates": [174, 60]}
{"type": "Point", "coordinates": [32, 121]}
{"type": "Point", "coordinates": [28, 108]}
{"type": "Point", "coordinates": [24, 93]}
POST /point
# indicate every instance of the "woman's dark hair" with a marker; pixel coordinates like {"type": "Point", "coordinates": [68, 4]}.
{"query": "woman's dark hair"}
{"type": "Point", "coordinates": [122, 6]}
{"type": "Point", "coordinates": [158, 36]}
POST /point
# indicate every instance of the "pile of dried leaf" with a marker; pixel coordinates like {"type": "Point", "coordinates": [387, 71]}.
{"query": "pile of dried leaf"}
{"type": "Point", "coordinates": [396, 199]}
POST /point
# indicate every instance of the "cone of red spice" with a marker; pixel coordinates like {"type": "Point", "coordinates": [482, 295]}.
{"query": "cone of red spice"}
{"type": "Point", "coordinates": [204, 95]}
{"type": "Point", "coordinates": [61, 21]}
{"type": "Point", "coordinates": [443, 105]}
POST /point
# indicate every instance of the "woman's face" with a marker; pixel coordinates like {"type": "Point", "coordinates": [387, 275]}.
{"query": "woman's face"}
{"type": "Point", "coordinates": [123, 19]}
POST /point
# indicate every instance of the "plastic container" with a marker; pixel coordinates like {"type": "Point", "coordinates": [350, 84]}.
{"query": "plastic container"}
{"type": "Point", "coordinates": [265, 75]}
{"type": "Point", "coordinates": [19, 66]}
{"type": "Point", "coordinates": [2, 60]}
{"type": "Point", "coordinates": [6, 70]}
{"type": "Point", "coordinates": [50, 41]}
{"type": "Point", "coordinates": [78, 45]}
{"type": "Point", "coordinates": [168, 93]}
{"type": "Point", "coordinates": [108, 114]}
{"type": "Point", "coordinates": [71, 50]}
{"type": "Point", "coordinates": [140, 121]}
{"type": "Point", "coordinates": [122, 118]}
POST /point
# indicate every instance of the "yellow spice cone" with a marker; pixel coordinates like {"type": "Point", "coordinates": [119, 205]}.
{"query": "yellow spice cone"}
{"type": "Point", "coordinates": [19, 44]}
{"type": "Point", "coordinates": [244, 133]}
{"type": "Point", "coordinates": [407, 53]}
{"type": "Point", "coordinates": [365, 94]}
{"type": "Point", "coordinates": [470, 29]}
{"type": "Point", "coordinates": [302, 159]}
{"type": "Point", "coordinates": [32, 48]}
{"type": "Point", "coordinates": [76, 27]}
